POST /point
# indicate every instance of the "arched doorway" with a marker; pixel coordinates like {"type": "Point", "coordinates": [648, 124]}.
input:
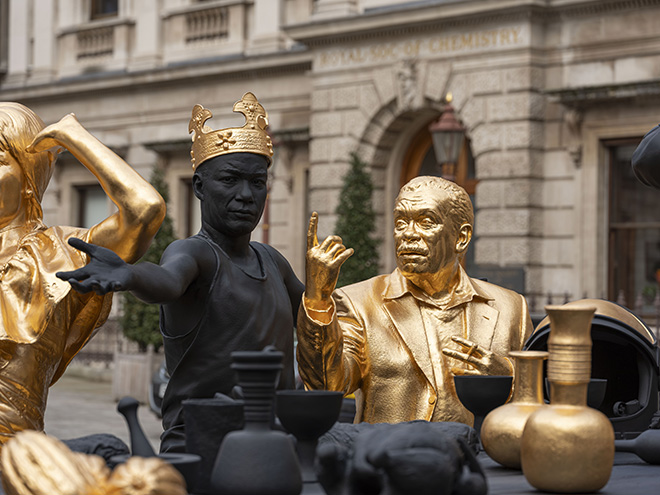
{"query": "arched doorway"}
{"type": "Point", "coordinates": [419, 159]}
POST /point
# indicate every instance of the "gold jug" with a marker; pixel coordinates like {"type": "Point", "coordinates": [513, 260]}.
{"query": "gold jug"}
{"type": "Point", "coordinates": [568, 447]}
{"type": "Point", "coordinates": [502, 429]}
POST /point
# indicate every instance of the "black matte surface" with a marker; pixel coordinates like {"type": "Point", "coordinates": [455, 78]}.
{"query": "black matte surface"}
{"type": "Point", "coordinates": [630, 476]}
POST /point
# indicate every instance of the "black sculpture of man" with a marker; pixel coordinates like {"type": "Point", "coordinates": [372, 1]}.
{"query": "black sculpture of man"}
{"type": "Point", "coordinates": [218, 291]}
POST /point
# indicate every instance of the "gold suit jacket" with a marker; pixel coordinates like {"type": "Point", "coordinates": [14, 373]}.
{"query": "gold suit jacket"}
{"type": "Point", "coordinates": [376, 347]}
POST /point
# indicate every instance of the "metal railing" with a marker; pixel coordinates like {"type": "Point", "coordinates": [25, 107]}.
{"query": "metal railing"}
{"type": "Point", "coordinates": [646, 310]}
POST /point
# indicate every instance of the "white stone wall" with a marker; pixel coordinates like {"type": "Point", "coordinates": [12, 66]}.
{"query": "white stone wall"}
{"type": "Point", "coordinates": [539, 88]}
{"type": "Point", "coordinates": [542, 197]}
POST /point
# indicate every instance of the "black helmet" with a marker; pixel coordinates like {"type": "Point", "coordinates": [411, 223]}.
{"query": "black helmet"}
{"type": "Point", "coordinates": [625, 353]}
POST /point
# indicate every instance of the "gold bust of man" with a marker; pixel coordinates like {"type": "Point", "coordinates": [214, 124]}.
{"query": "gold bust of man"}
{"type": "Point", "coordinates": [396, 340]}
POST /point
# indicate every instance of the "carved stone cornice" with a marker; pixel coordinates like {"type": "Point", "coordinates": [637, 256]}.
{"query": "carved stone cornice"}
{"type": "Point", "coordinates": [409, 19]}
{"type": "Point", "coordinates": [290, 136]}
{"type": "Point", "coordinates": [283, 136]}
{"type": "Point", "coordinates": [217, 69]}
{"type": "Point", "coordinates": [169, 146]}
{"type": "Point", "coordinates": [437, 15]}
{"type": "Point", "coordinates": [582, 97]}
{"type": "Point", "coordinates": [577, 100]}
{"type": "Point", "coordinates": [597, 7]}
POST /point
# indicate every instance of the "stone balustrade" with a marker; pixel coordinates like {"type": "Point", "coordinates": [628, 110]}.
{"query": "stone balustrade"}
{"type": "Point", "coordinates": [211, 29]}
{"type": "Point", "coordinates": [96, 43]}
{"type": "Point", "coordinates": [207, 25]}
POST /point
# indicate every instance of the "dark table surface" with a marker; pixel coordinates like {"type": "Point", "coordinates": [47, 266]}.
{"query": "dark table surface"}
{"type": "Point", "coordinates": [630, 476]}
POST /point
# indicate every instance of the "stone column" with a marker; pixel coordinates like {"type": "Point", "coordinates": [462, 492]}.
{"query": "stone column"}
{"type": "Point", "coordinates": [266, 34]}
{"type": "Point", "coordinates": [19, 45]}
{"type": "Point", "coordinates": [43, 68]}
{"type": "Point", "coordinates": [146, 54]}
{"type": "Point", "coordinates": [71, 14]}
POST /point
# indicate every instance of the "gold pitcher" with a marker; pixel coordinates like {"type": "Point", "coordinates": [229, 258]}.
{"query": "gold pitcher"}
{"type": "Point", "coordinates": [568, 447]}
{"type": "Point", "coordinates": [502, 429]}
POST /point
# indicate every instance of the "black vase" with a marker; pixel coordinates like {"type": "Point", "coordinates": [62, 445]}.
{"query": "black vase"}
{"type": "Point", "coordinates": [257, 459]}
{"type": "Point", "coordinates": [308, 414]}
{"type": "Point", "coordinates": [186, 464]}
{"type": "Point", "coordinates": [646, 446]}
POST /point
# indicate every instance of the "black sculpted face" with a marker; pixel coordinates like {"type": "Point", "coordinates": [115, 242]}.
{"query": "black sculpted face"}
{"type": "Point", "coordinates": [232, 190]}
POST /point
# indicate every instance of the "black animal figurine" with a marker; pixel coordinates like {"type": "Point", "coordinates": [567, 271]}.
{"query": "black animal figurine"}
{"type": "Point", "coordinates": [400, 459]}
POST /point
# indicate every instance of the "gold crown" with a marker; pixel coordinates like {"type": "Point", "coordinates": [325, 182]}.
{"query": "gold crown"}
{"type": "Point", "coordinates": [251, 138]}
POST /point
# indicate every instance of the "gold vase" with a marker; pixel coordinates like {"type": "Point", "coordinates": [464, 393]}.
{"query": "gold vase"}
{"type": "Point", "coordinates": [568, 447]}
{"type": "Point", "coordinates": [502, 429]}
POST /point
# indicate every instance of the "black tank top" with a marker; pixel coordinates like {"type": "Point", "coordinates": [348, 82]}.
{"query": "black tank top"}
{"type": "Point", "coordinates": [241, 313]}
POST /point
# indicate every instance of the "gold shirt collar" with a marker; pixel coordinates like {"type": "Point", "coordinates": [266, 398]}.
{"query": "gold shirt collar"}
{"type": "Point", "coordinates": [466, 290]}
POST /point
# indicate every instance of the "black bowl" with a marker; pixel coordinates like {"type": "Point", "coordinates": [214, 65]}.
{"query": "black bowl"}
{"type": "Point", "coordinates": [308, 414]}
{"type": "Point", "coordinates": [480, 394]}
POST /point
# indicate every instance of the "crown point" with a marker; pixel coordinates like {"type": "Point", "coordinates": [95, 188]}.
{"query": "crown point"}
{"type": "Point", "coordinates": [251, 138]}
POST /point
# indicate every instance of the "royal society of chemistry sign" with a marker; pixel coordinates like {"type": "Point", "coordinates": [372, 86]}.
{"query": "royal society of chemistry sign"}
{"type": "Point", "coordinates": [435, 46]}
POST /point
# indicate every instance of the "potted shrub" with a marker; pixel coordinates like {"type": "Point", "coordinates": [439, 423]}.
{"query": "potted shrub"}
{"type": "Point", "coordinates": [140, 321]}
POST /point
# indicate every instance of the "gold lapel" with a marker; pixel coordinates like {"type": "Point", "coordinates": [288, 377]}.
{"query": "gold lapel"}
{"type": "Point", "coordinates": [480, 320]}
{"type": "Point", "coordinates": [407, 320]}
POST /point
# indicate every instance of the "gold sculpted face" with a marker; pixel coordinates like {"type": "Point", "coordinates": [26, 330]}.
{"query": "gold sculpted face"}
{"type": "Point", "coordinates": [424, 241]}
{"type": "Point", "coordinates": [11, 188]}
{"type": "Point", "coordinates": [432, 230]}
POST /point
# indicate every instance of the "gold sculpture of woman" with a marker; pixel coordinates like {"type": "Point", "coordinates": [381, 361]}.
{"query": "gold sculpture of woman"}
{"type": "Point", "coordinates": [35, 464]}
{"type": "Point", "coordinates": [43, 322]}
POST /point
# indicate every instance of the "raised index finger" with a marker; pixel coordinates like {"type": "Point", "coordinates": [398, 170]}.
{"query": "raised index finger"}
{"type": "Point", "coordinates": [312, 239]}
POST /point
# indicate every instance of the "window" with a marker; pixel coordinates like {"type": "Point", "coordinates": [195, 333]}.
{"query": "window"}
{"type": "Point", "coordinates": [634, 233]}
{"type": "Point", "coordinates": [92, 205]}
{"type": "Point", "coordinates": [104, 8]}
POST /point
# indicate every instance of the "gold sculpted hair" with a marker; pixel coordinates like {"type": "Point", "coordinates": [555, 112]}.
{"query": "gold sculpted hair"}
{"type": "Point", "coordinates": [18, 126]}
{"type": "Point", "coordinates": [458, 205]}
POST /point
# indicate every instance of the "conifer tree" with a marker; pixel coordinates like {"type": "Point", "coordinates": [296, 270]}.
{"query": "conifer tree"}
{"type": "Point", "coordinates": [356, 224]}
{"type": "Point", "coordinates": [140, 321]}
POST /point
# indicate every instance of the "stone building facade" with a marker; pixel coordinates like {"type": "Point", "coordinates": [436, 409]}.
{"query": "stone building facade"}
{"type": "Point", "coordinates": [554, 96]}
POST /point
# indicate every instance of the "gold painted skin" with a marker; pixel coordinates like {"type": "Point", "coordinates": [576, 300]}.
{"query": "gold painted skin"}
{"type": "Point", "coordinates": [43, 321]}
{"type": "Point", "coordinates": [35, 464]}
{"type": "Point", "coordinates": [370, 337]}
